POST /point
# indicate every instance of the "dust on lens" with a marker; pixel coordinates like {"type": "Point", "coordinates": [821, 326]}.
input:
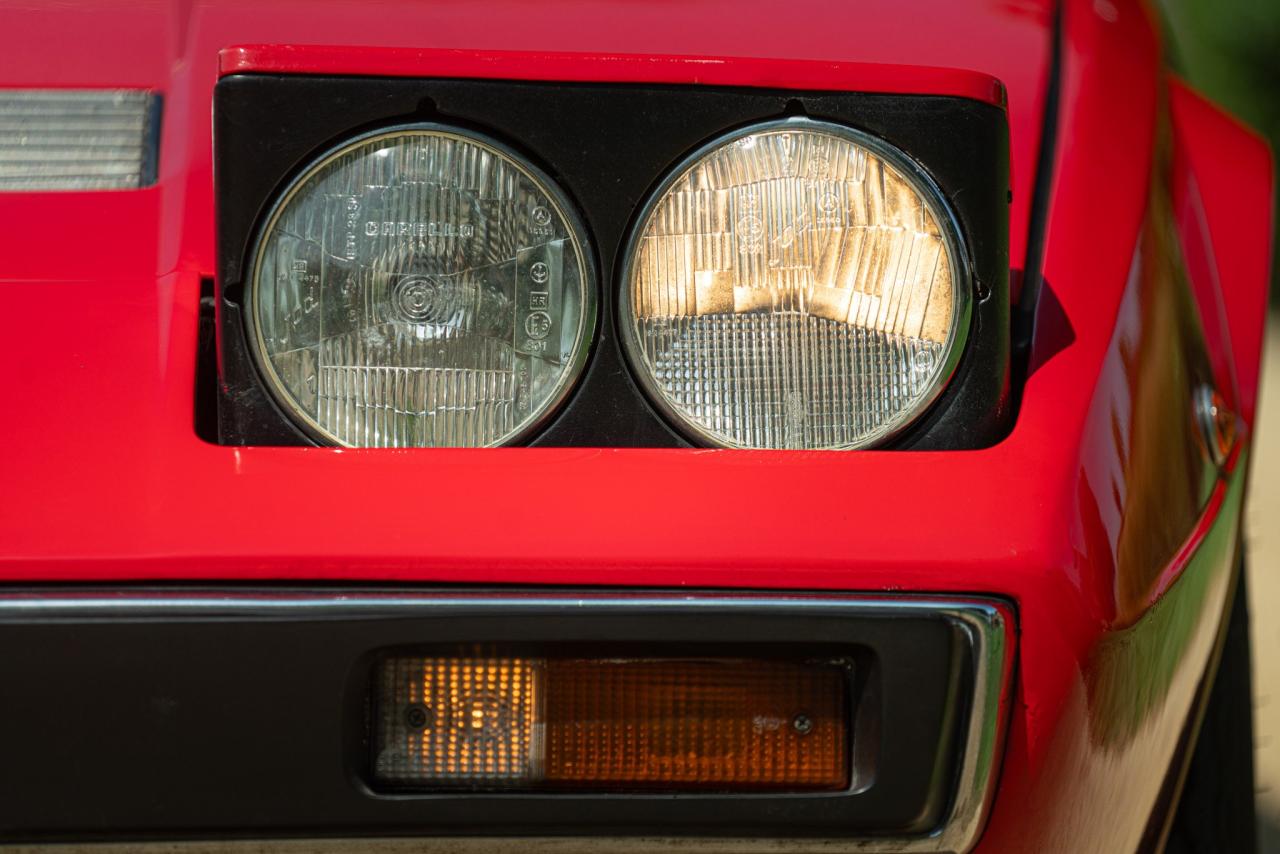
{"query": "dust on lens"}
{"type": "Point", "coordinates": [421, 287]}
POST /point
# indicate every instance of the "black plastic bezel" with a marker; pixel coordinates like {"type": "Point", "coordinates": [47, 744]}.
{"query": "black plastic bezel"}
{"type": "Point", "coordinates": [211, 719]}
{"type": "Point", "coordinates": [607, 147]}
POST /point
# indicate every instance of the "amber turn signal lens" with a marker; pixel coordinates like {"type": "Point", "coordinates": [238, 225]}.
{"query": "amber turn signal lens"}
{"type": "Point", "coordinates": [676, 724]}
{"type": "Point", "coordinates": [696, 724]}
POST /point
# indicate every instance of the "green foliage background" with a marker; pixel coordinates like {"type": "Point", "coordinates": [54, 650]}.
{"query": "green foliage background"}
{"type": "Point", "coordinates": [1230, 51]}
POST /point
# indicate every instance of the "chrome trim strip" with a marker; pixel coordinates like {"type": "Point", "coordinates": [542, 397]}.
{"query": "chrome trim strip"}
{"type": "Point", "coordinates": [988, 624]}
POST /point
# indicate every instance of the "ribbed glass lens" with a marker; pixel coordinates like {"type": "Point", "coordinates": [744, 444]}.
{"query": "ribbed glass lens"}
{"type": "Point", "coordinates": [696, 724]}
{"type": "Point", "coordinates": [421, 287]}
{"type": "Point", "coordinates": [459, 721]}
{"type": "Point", "coordinates": [611, 724]}
{"type": "Point", "coordinates": [795, 285]}
{"type": "Point", "coordinates": [77, 139]}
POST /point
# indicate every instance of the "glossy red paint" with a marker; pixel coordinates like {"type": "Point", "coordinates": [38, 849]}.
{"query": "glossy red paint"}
{"type": "Point", "coordinates": [1226, 193]}
{"type": "Point", "coordinates": [1202, 270]}
{"type": "Point", "coordinates": [105, 480]}
{"type": "Point", "coordinates": [174, 46]}
{"type": "Point", "coordinates": [612, 68]}
{"type": "Point", "coordinates": [1088, 750]}
{"type": "Point", "coordinates": [151, 343]}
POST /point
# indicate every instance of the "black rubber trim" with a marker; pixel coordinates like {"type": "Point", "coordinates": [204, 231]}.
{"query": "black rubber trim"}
{"type": "Point", "coordinates": [1023, 320]}
{"type": "Point", "coordinates": [150, 171]}
{"type": "Point", "coordinates": [206, 385]}
{"type": "Point", "coordinates": [607, 146]}
{"type": "Point", "coordinates": [140, 722]}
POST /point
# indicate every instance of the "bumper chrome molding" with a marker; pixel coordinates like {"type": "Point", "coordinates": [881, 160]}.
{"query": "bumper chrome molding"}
{"type": "Point", "coordinates": [987, 624]}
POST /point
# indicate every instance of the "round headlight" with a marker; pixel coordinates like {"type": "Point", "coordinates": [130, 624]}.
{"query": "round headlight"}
{"type": "Point", "coordinates": [421, 286]}
{"type": "Point", "coordinates": [795, 284]}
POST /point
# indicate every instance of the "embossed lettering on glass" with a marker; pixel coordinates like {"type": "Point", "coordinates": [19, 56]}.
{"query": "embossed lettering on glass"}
{"type": "Point", "coordinates": [795, 284]}
{"type": "Point", "coordinates": [421, 286]}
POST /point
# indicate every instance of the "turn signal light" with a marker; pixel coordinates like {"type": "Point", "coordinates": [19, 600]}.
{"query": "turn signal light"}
{"type": "Point", "coordinates": [674, 724]}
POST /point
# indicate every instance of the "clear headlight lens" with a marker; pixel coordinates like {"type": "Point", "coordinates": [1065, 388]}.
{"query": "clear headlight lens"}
{"type": "Point", "coordinates": [795, 284]}
{"type": "Point", "coordinates": [421, 287]}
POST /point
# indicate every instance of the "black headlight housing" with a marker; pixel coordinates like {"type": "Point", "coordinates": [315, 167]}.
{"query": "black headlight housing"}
{"type": "Point", "coordinates": [607, 146]}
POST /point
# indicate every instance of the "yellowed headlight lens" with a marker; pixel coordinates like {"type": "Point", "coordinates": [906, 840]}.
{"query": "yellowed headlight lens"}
{"type": "Point", "coordinates": [795, 285]}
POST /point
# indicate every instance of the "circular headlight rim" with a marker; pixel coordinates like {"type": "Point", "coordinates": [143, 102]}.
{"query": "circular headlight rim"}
{"type": "Point", "coordinates": [912, 171]}
{"type": "Point", "coordinates": [588, 327]}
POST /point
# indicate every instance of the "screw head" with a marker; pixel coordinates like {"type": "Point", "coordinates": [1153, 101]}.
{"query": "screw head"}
{"type": "Point", "coordinates": [417, 716]}
{"type": "Point", "coordinates": [802, 724]}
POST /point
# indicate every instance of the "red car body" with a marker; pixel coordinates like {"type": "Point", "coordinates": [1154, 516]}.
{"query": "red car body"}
{"type": "Point", "coordinates": [1099, 516]}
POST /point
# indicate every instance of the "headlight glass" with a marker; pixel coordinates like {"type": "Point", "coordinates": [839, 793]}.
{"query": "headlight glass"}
{"type": "Point", "coordinates": [795, 284]}
{"type": "Point", "coordinates": [421, 286]}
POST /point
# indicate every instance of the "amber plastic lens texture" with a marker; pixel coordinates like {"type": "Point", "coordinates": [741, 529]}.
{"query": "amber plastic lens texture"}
{"type": "Point", "coordinates": [795, 285]}
{"type": "Point", "coordinates": [458, 722]}
{"type": "Point", "coordinates": [684, 725]}
{"type": "Point", "coordinates": [612, 724]}
{"type": "Point", "coordinates": [421, 287]}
